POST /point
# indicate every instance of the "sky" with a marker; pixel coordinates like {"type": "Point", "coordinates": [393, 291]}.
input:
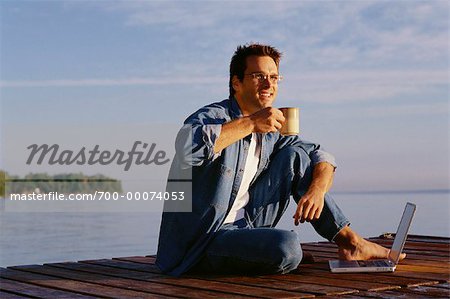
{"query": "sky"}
{"type": "Point", "coordinates": [371, 77]}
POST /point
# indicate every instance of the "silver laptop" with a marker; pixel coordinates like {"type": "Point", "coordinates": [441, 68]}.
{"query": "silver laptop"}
{"type": "Point", "coordinates": [386, 265]}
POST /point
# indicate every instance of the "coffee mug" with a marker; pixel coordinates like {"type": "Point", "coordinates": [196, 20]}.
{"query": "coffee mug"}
{"type": "Point", "coordinates": [292, 124]}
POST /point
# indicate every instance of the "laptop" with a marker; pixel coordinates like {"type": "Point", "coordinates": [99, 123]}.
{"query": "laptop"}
{"type": "Point", "coordinates": [385, 265]}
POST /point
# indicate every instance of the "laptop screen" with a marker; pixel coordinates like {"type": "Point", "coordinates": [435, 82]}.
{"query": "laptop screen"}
{"type": "Point", "coordinates": [402, 232]}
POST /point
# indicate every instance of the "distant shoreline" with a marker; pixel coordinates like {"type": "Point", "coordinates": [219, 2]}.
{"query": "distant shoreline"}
{"type": "Point", "coordinates": [420, 191]}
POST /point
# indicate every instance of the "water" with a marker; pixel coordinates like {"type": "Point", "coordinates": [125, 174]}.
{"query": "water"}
{"type": "Point", "coordinates": [36, 238]}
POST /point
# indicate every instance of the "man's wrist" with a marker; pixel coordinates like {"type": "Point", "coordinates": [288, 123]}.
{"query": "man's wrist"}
{"type": "Point", "coordinates": [321, 188]}
{"type": "Point", "coordinates": [249, 123]}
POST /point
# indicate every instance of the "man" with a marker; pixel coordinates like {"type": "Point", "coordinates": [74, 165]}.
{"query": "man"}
{"type": "Point", "coordinates": [243, 175]}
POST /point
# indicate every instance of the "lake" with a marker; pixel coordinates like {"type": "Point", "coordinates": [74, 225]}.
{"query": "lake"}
{"type": "Point", "coordinates": [36, 238]}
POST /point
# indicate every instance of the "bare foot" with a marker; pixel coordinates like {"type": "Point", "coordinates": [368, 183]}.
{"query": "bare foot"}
{"type": "Point", "coordinates": [354, 247]}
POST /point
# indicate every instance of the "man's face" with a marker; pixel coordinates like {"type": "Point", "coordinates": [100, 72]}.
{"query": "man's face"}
{"type": "Point", "coordinates": [253, 94]}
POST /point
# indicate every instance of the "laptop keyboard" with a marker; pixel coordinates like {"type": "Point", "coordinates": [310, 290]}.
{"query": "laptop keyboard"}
{"type": "Point", "coordinates": [375, 263]}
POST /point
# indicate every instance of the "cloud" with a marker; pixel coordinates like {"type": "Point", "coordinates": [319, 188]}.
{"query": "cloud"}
{"type": "Point", "coordinates": [316, 86]}
{"type": "Point", "coordinates": [202, 14]}
{"type": "Point", "coordinates": [110, 82]}
{"type": "Point", "coordinates": [362, 85]}
{"type": "Point", "coordinates": [314, 35]}
{"type": "Point", "coordinates": [334, 51]}
{"type": "Point", "coordinates": [336, 34]}
{"type": "Point", "coordinates": [418, 110]}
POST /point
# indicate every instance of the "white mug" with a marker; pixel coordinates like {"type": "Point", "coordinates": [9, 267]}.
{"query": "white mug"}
{"type": "Point", "coordinates": [292, 124]}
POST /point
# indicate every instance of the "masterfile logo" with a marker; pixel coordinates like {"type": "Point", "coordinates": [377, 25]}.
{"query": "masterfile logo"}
{"type": "Point", "coordinates": [140, 153]}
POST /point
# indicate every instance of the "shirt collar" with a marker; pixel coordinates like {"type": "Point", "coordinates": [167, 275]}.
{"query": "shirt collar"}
{"type": "Point", "coordinates": [235, 109]}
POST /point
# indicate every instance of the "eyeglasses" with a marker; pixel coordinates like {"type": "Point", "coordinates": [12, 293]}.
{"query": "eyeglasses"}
{"type": "Point", "coordinates": [261, 77]}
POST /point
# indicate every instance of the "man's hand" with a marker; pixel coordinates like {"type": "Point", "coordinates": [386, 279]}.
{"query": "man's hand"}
{"type": "Point", "coordinates": [263, 121]}
{"type": "Point", "coordinates": [267, 120]}
{"type": "Point", "coordinates": [310, 206]}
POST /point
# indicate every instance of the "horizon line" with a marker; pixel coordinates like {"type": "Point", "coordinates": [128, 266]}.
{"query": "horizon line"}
{"type": "Point", "coordinates": [400, 191]}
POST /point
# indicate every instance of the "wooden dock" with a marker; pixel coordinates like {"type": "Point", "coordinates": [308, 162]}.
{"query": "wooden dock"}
{"type": "Point", "coordinates": [424, 274]}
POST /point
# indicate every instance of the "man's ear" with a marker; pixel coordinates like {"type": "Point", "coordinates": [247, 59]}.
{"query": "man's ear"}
{"type": "Point", "coordinates": [236, 83]}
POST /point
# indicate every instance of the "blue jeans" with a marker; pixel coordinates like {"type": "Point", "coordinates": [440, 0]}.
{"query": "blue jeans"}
{"type": "Point", "coordinates": [252, 245]}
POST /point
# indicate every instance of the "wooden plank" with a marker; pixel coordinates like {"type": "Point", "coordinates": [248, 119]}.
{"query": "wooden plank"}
{"type": "Point", "coordinates": [424, 252]}
{"type": "Point", "coordinates": [428, 243]}
{"type": "Point", "coordinates": [6, 295]}
{"type": "Point", "coordinates": [420, 268]}
{"type": "Point", "coordinates": [366, 277]}
{"type": "Point", "coordinates": [422, 276]}
{"type": "Point", "coordinates": [138, 259]}
{"type": "Point", "coordinates": [401, 278]}
{"type": "Point", "coordinates": [86, 288]}
{"type": "Point", "coordinates": [357, 296]}
{"type": "Point", "coordinates": [108, 270]}
{"type": "Point", "coordinates": [388, 243]}
{"type": "Point", "coordinates": [125, 265]}
{"type": "Point", "coordinates": [335, 281]}
{"type": "Point", "coordinates": [303, 280]}
{"type": "Point", "coordinates": [428, 291]}
{"type": "Point", "coordinates": [323, 257]}
{"type": "Point", "coordinates": [415, 238]}
{"type": "Point", "coordinates": [420, 250]}
{"type": "Point", "coordinates": [416, 245]}
{"type": "Point", "coordinates": [389, 280]}
{"type": "Point", "coordinates": [410, 260]}
{"type": "Point", "coordinates": [320, 251]}
{"type": "Point", "coordinates": [391, 295]}
{"type": "Point", "coordinates": [149, 287]}
{"type": "Point", "coordinates": [442, 285]}
{"type": "Point", "coordinates": [422, 238]}
{"type": "Point", "coordinates": [406, 278]}
{"type": "Point", "coordinates": [217, 286]}
{"type": "Point", "coordinates": [31, 290]}
{"type": "Point", "coordinates": [183, 286]}
{"type": "Point", "coordinates": [285, 284]}
{"type": "Point", "coordinates": [427, 265]}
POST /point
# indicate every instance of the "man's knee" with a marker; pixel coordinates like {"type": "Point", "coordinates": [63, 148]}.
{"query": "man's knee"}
{"type": "Point", "coordinates": [294, 157]}
{"type": "Point", "coordinates": [286, 251]}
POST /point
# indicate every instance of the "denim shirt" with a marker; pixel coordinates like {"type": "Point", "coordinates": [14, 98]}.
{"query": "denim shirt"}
{"type": "Point", "coordinates": [215, 181]}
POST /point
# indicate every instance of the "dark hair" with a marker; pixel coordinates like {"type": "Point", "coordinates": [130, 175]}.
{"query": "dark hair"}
{"type": "Point", "coordinates": [238, 62]}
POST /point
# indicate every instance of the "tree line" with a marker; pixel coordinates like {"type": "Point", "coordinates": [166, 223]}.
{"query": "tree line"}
{"type": "Point", "coordinates": [62, 183]}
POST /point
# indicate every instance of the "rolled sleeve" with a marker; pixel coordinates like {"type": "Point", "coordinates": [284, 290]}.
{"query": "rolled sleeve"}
{"type": "Point", "coordinates": [198, 135]}
{"type": "Point", "coordinates": [210, 134]}
{"type": "Point", "coordinates": [319, 156]}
